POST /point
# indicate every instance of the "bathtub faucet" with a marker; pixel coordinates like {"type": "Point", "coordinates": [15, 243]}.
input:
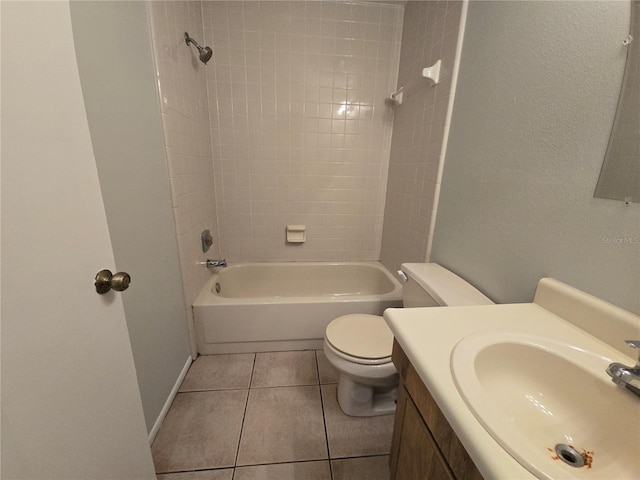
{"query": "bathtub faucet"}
{"type": "Point", "coordinates": [216, 263]}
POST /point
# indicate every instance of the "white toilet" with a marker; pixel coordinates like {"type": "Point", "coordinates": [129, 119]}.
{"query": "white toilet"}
{"type": "Point", "coordinates": [359, 345]}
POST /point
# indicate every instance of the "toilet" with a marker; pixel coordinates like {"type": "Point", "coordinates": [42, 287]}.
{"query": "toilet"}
{"type": "Point", "coordinates": [359, 345]}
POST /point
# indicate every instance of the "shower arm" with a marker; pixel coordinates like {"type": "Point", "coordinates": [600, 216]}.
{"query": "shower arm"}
{"type": "Point", "coordinates": [188, 40]}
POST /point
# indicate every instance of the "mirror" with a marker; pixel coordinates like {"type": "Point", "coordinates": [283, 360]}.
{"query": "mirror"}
{"type": "Point", "coordinates": [620, 175]}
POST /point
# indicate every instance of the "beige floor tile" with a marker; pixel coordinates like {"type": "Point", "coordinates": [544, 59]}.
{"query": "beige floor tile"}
{"type": "Point", "coordinates": [285, 471]}
{"type": "Point", "coordinates": [226, 474]}
{"type": "Point", "coordinates": [219, 372]}
{"type": "Point", "coordinates": [354, 436]}
{"type": "Point", "coordinates": [281, 369]}
{"type": "Point", "coordinates": [282, 424]}
{"type": "Point", "coordinates": [361, 468]}
{"type": "Point", "coordinates": [200, 431]}
{"type": "Point", "coordinates": [328, 373]}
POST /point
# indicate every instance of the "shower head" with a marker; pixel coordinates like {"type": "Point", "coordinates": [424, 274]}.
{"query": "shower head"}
{"type": "Point", "coordinates": [205, 52]}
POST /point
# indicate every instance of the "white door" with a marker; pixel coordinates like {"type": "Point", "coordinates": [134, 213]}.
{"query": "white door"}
{"type": "Point", "coordinates": [70, 401]}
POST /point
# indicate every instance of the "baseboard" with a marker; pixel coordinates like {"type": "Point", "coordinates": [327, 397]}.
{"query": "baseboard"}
{"type": "Point", "coordinates": [167, 404]}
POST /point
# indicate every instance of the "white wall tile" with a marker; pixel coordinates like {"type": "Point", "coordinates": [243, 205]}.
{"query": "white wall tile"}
{"type": "Point", "coordinates": [185, 116]}
{"type": "Point", "coordinates": [429, 33]}
{"type": "Point", "coordinates": [288, 124]}
{"type": "Point", "coordinates": [296, 95]}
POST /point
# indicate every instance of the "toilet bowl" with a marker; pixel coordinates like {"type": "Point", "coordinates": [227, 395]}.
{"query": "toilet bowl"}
{"type": "Point", "coordinates": [359, 345]}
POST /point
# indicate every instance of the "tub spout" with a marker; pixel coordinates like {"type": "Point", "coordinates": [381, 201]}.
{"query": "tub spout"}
{"type": "Point", "coordinates": [216, 263]}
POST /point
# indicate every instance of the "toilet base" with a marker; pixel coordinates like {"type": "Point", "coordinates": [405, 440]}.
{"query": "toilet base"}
{"type": "Point", "coordinates": [360, 400]}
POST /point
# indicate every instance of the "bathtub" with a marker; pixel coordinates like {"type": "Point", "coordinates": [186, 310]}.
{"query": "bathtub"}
{"type": "Point", "coordinates": [259, 307]}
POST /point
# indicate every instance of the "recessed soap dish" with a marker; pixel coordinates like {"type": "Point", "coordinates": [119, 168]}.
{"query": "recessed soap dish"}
{"type": "Point", "coordinates": [296, 233]}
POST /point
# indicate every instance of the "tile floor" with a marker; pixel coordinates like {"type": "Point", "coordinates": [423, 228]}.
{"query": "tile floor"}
{"type": "Point", "coordinates": [267, 416]}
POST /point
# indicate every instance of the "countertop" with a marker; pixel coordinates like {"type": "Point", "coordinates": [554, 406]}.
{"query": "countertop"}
{"type": "Point", "coordinates": [428, 336]}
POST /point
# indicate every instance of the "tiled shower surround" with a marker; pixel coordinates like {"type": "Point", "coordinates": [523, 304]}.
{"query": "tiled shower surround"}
{"type": "Point", "coordinates": [300, 129]}
{"type": "Point", "coordinates": [288, 124]}
{"type": "Point", "coordinates": [430, 32]}
{"type": "Point", "coordinates": [185, 118]}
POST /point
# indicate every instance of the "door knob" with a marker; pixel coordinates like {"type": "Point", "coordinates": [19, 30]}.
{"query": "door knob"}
{"type": "Point", "coordinates": [106, 281]}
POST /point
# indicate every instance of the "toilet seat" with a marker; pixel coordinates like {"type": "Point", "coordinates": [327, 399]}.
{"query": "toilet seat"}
{"type": "Point", "coordinates": [360, 338]}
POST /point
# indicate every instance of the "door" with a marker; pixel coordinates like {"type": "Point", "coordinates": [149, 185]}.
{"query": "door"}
{"type": "Point", "coordinates": [118, 79]}
{"type": "Point", "coordinates": [70, 402]}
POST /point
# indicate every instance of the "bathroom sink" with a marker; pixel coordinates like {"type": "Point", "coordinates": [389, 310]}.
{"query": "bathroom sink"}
{"type": "Point", "coordinates": [533, 394]}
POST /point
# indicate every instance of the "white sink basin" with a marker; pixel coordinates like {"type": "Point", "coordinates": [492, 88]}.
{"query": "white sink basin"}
{"type": "Point", "coordinates": [532, 393]}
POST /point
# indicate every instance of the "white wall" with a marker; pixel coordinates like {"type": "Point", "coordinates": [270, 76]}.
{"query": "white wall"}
{"type": "Point", "coordinates": [429, 34]}
{"type": "Point", "coordinates": [113, 47]}
{"type": "Point", "coordinates": [535, 101]}
{"type": "Point", "coordinates": [300, 130]}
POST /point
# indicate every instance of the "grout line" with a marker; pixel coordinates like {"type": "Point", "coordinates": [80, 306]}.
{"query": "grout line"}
{"type": "Point", "coordinates": [253, 368]}
{"type": "Point", "coordinates": [255, 387]}
{"type": "Point", "coordinates": [194, 470]}
{"type": "Point", "coordinates": [244, 415]}
{"type": "Point", "coordinates": [353, 457]}
{"type": "Point", "coordinates": [204, 390]}
{"type": "Point", "coordinates": [312, 460]}
{"type": "Point", "coordinates": [324, 419]}
{"type": "Point", "coordinates": [287, 386]}
{"type": "Point", "coordinates": [275, 463]}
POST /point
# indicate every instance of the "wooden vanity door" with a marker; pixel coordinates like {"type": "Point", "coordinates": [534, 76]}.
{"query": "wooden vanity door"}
{"type": "Point", "coordinates": [414, 453]}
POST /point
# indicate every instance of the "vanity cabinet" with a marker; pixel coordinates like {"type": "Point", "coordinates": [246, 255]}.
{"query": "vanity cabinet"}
{"type": "Point", "coordinates": [424, 446]}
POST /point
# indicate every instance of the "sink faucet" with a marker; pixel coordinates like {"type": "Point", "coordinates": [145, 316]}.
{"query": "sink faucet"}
{"type": "Point", "coordinates": [624, 376]}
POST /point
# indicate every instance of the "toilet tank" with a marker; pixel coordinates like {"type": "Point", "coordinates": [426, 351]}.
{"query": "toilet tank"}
{"type": "Point", "coordinates": [430, 285]}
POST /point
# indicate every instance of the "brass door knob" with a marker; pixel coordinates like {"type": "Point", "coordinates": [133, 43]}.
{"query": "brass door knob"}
{"type": "Point", "coordinates": [106, 281]}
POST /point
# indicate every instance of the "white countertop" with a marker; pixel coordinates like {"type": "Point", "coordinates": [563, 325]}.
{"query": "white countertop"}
{"type": "Point", "coordinates": [428, 336]}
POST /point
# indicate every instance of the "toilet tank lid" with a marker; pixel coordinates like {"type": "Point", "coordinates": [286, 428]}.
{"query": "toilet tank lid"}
{"type": "Point", "coordinates": [444, 286]}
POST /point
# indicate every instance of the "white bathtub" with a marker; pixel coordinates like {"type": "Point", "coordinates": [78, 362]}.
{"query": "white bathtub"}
{"type": "Point", "coordinates": [286, 306]}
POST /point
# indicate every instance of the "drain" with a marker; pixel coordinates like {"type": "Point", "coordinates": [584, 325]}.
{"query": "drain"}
{"type": "Point", "coordinates": [570, 455]}
{"type": "Point", "coordinates": [218, 287]}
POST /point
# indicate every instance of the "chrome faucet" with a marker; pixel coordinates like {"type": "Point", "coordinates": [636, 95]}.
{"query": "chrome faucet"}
{"type": "Point", "coordinates": [216, 263]}
{"type": "Point", "coordinates": [624, 376]}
